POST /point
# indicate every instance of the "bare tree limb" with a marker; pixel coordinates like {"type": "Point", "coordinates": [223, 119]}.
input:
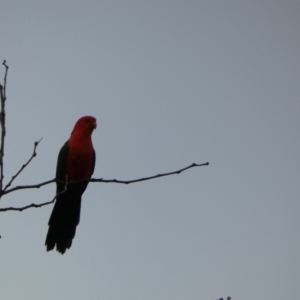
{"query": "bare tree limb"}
{"type": "Point", "coordinates": [32, 186]}
{"type": "Point", "coordinates": [147, 178]}
{"type": "Point", "coordinates": [27, 206]}
{"type": "Point", "coordinates": [91, 180]}
{"type": "Point", "coordinates": [2, 122]}
{"type": "Point", "coordinates": [38, 205]}
{"type": "Point", "coordinates": [37, 186]}
{"type": "Point", "coordinates": [23, 167]}
{"type": "Point", "coordinates": [3, 133]}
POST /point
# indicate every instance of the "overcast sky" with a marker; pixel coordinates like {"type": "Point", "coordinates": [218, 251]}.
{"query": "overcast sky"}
{"type": "Point", "coordinates": [170, 83]}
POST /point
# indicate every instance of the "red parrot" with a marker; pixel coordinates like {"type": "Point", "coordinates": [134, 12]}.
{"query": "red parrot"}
{"type": "Point", "coordinates": [76, 161]}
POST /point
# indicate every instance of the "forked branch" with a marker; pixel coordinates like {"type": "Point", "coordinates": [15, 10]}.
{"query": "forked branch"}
{"type": "Point", "coordinates": [37, 205]}
{"type": "Point", "coordinates": [23, 167]}
{"type": "Point", "coordinates": [3, 133]}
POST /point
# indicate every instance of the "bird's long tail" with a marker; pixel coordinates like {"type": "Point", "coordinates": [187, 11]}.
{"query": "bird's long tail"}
{"type": "Point", "coordinates": [63, 221]}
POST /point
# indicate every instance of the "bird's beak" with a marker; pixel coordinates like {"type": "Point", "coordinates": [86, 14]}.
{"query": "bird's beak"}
{"type": "Point", "coordinates": [94, 125]}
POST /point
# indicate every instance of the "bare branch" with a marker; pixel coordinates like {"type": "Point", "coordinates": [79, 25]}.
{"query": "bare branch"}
{"type": "Point", "coordinates": [37, 186]}
{"type": "Point", "coordinates": [5, 77]}
{"type": "Point", "coordinates": [32, 186]}
{"type": "Point", "coordinates": [147, 178]}
{"type": "Point", "coordinates": [23, 166]}
{"type": "Point", "coordinates": [2, 123]}
{"type": "Point", "coordinates": [37, 205]}
{"type": "Point", "coordinates": [27, 206]}
{"type": "Point", "coordinates": [91, 180]}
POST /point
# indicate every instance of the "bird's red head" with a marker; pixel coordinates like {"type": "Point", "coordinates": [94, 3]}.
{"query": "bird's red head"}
{"type": "Point", "coordinates": [86, 123]}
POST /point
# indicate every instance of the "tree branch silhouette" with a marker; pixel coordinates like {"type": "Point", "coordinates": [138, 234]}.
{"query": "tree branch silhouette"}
{"type": "Point", "coordinates": [6, 189]}
{"type": "Point", "coordinates": [20, 187]}
{"type": "Point", "coordinates": [2, 122]}
{"type": "Point", "coordinates": [148, 178]}
{"type": "Point", "coordinates": [22, 168]}
{"type": "Point", "coordinates": [33, 205]}
{"type": "Point", "coordinates": [3, 134]}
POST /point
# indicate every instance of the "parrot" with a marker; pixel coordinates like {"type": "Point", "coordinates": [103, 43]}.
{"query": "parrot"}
{"type": "Point", "coordinates": [76, 162]}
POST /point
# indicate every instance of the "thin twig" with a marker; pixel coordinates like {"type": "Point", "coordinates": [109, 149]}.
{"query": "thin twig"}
{"type": "Point", "coordinates": [26, 207]}
{"type": "Point", "coordinates": [5, 77]}
{"type": "Point", "coordinates": [23, 166]}
{"type": "Point", "coordinates": [32, 186]}
{"type": "Point", "coordinates": [2, 122]}
{"type": "Point", "coordinates": [147, 178]}
{"type": "Point", "coordinates": [91, 180]}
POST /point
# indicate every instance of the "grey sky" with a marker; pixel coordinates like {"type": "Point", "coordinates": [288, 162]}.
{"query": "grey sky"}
{"type": "Point", "coordinates": [170, 83]}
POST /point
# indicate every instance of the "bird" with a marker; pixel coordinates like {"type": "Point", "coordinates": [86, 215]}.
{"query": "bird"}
{"type": "Point", "coordinates": [76, 162]}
